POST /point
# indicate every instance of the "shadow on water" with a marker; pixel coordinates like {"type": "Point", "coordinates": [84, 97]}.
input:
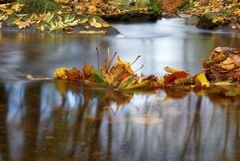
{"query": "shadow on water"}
{"type": "Point", "coordinates": [60, 120]}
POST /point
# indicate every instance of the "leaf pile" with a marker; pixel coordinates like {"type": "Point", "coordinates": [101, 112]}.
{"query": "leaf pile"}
{"type": "Point", "coordinates": [99, 7]}
{"type": "Point", "coordinates": [223, 64]}
{"type": "Point", "coordinates": [10, 14]}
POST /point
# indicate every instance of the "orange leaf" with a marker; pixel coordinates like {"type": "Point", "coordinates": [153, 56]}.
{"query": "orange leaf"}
{"type": "Point", "coordinates": [87, 70]}
{"type": "Point", "coordinates": [74, 74]}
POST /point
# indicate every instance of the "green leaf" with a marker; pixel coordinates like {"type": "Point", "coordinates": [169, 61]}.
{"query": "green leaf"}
{"type": "Point", "coordinates": [83, 21]}
{"type": "Point", "coordinates": [98, 77]}
{"type": "Point", "coordinates": [69, 19]}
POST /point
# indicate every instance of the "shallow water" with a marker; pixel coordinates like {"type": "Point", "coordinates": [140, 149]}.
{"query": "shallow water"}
{"type": "Point", "coordinates": [59, 120]}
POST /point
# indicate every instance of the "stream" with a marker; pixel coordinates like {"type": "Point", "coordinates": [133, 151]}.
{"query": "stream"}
{"type": "Point", "coordinates": [56, 120]}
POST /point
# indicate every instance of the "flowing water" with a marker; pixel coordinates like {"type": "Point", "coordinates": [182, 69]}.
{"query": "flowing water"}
{"type": "Point", "coordinates": [60, 120]}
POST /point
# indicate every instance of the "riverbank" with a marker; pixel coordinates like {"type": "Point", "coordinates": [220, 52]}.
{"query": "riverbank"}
{"type": "Point", "coordinates": [93, 17]}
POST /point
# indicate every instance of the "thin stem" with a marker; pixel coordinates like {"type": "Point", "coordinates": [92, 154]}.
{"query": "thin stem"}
{"type": "Point", "coordinates": [135, 60]}
{"type": "Point", "coordinates": [111, 60]}
{"type": "Point", "coordinates": [97, 57]}
{"type": "Point", "coordinates": [108, 56]}
{"type": "Point", "coordinates": [139, 68]}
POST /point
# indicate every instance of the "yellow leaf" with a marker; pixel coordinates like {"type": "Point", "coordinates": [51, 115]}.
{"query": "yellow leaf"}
{"type": "Point", "coordinates": [172, 70]}
{"type": "Point", "coordinates": [201, 78]}
{"type": "Point", "coordinates": [17, 7]}
{"type": "Point", "coordinates": [97, 25]}
{"type": "Point", "coordinates": [61, 73]}
{"type": "Point", "coordinates": [9, 11]}
{"type": "Point", "coordinates": [105, 25]}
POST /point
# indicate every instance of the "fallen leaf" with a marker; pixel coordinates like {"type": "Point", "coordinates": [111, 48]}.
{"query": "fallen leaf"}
{"type": "Point", "coordinates": [172, 70]}
{"type": "Point", "coordinates": [74, 74]}
{"type": "Point", "coordinates": [61, 73]}
{"type": "Point", "coordinates": [202, 80]}
{"type": "Point", "coordinates": [168, 79]}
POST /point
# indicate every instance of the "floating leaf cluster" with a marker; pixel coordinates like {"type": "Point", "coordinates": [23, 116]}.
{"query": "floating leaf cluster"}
{"type": "Point", "coordinates": [221, 70]}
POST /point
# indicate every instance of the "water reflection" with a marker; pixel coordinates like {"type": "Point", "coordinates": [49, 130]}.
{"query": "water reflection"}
{"type": "Point", "coordinates": [64, 121]}
{"type": "Point", "coordinates": [165, 43]}
{"type": "Point", "coordinates": [60, 120]}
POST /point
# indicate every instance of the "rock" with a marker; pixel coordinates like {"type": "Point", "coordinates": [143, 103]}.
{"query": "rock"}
{"type": "Point", "coordinates": [205, 21]}
{"type": "Point", "coordinates": [132, 16]}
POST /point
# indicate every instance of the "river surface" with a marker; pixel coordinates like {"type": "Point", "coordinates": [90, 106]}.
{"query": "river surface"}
{"type": "Point", "coordinates": [62, 120]}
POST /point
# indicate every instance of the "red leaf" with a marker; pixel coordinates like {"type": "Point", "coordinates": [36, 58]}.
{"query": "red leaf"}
{"type": "Point", "coordinates": [174, 76]}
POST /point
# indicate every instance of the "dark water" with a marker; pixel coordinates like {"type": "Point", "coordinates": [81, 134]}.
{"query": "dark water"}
{"type": "Point", "coordinates": [59, 120]}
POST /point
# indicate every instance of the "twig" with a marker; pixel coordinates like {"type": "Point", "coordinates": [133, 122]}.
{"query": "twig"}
{"type": "Point", "coordinates": [139, 68]}
{"type": "Point", "coordinates": [111, 60]}
{"type": "Point", "coordinates": [135, 60]}
{"type": "Point", "coordinates": [97, 57]}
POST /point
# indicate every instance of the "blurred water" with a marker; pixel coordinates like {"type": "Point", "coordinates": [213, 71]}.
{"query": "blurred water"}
{"type": "Point", "coordinates": [59, 120]}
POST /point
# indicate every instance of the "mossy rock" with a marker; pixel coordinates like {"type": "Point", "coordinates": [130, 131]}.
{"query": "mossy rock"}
{"type": "Point", "coordinates": [206, 21]}
{"type": "Point", "coordinates": [39, 6]}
